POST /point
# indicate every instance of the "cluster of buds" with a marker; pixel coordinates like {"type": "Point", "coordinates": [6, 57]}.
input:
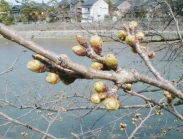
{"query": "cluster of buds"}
{"type": "Point", "coordinates": [52, 77]}
{"type": "Point", "coordinates": [111, 103]}
{"type": "Point", "coordinates": [158, 112]}
{"type": "Point", "coordinates": [136, 118]}
{"type": "Point", "coordinates": [134, 121]}
{"type": "Point", "coordinates": [101, 92]}
{"type": "Point", "coordinates": [132, 36]}
{"type": "Point", "coordinates": [24, 134]}
{"type": "Point", "coordinates": [96, 42]}
{"type": "Point", "coordinates": [138, 115]}
{"type": "Point", "coordinates": [123, 126]}
{"type": "Point", "coordinates": [110, 61]}
{"type": "Point", "coordinates": [163, 132]}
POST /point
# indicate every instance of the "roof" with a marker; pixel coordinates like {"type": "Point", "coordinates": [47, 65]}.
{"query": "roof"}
{"type": "Point", "coordinates": [17, 7]}
{"type": "Point", "coordinates": [89, 3]}
{"type": "Point", "coordinates": [117, 3]}
{"type": "Point", "coordinates": [73, 2]}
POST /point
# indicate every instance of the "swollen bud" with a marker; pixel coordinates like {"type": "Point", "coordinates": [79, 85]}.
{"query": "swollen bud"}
{"type": "Point", "coordinates": [111, 61]}
{"type": "Point", "coordinates": [151, 54]}
{"type": "Point", "coordinates": [52, 78]}
{"type": "Point", "coordinates": [133, 25]}
{"type": "Point", "coordinates": [130, 40]}
{"type": "Point", "coordinates": [140, 36]}
{"type": "Point", "coordinates": [97, 66]}
{"type": "Point", "coordinates": [81, 40]}
{"type": "Point", "coordinates": [128, 86]}
{"type": "Point", "coordinates": [112, 103]}
{"type": "Point", "coordinates": [36, 66]}
{"type": "Point", "coordinates": [96, 43]}
{"type": "Point", "coordinates": [99, 87]}
{"type": "Point", "coordinates": [122, 35]}
{"type": "Point", "coordinates": [79, 50]}
{"type": "Point", "coordinates": [95, 98]}
{"type": "Point", "coordinates": [123, 126]}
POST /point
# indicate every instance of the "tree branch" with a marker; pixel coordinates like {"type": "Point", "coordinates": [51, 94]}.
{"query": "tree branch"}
{"type": "Point", "coordinates": [120, 76]}
{"type": "Point", "coordinates": [25, 125]}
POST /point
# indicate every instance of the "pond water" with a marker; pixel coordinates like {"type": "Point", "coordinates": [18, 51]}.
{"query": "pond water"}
{"type": "Point", "coordinates": [22, 87]}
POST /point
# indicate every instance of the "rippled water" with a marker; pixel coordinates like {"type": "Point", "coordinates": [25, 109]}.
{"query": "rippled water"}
{"type": "Point", "coordinates": [23, 87]}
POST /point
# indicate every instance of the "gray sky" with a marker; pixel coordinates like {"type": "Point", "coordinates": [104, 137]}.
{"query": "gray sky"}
{"type": "Point", "coordinates": [13, 1]}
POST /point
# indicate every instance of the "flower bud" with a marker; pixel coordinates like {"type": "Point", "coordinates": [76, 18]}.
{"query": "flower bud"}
{"type": "Point", "coordinates": [79, 50]}
{"type": "Point", "coordinates": [137, 115]}
{"type": "Point", "coordinates": [97, 65]}
{"type": "Point", "coordinates": [99, 87]}
{"type": "Point", "coordinates": [95, 98]}
{"type": "Point", "coordinates": [151, 55]}
{"type": "Point", "coordinates": [81, 40]}
{"type": "Point", "coordinates": [123, 126]}
{"type": "Point", "coordinates": [111, 61]}
{"type": "Point", "coordinates": [122, 35]}
{"type": "Point", "coordinates": [128, 87]}
{"type": "Point", "coordinates": [35, 65]}
{"type": "Point", "coordinates": [52, 78]}
{"type": "Point", "coordinates": [130, 40]}
{"type": "Point", "coordinates": [96, 42]}
{"type": "Point", "coordinates": [112, 103]}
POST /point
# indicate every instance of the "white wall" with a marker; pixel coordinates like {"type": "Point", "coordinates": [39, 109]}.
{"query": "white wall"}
{"type": "Point", "coordinates": [97, 12]}
{"type": "Point", "coordinates": [85, 13]}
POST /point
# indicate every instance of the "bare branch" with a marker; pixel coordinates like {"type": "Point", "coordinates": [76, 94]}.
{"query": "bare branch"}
{"type": "Point", "coordinates": [25, 125]}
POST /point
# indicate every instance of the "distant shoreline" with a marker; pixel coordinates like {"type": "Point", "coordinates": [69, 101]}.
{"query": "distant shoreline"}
{"type": "Point", "coordinates": [68, 31]}
{"type": "Point", "coordinates": [70, 34]}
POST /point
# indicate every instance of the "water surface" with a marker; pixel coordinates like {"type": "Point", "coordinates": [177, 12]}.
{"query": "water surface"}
{"type": "Point", "coordinates": [25, 88]}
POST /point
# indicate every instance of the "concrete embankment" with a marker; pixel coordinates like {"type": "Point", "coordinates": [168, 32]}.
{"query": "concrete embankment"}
{"type": "Point", "coordinates": [70, 34]}
{"type": "Point", "coordinates": [69, 30]}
